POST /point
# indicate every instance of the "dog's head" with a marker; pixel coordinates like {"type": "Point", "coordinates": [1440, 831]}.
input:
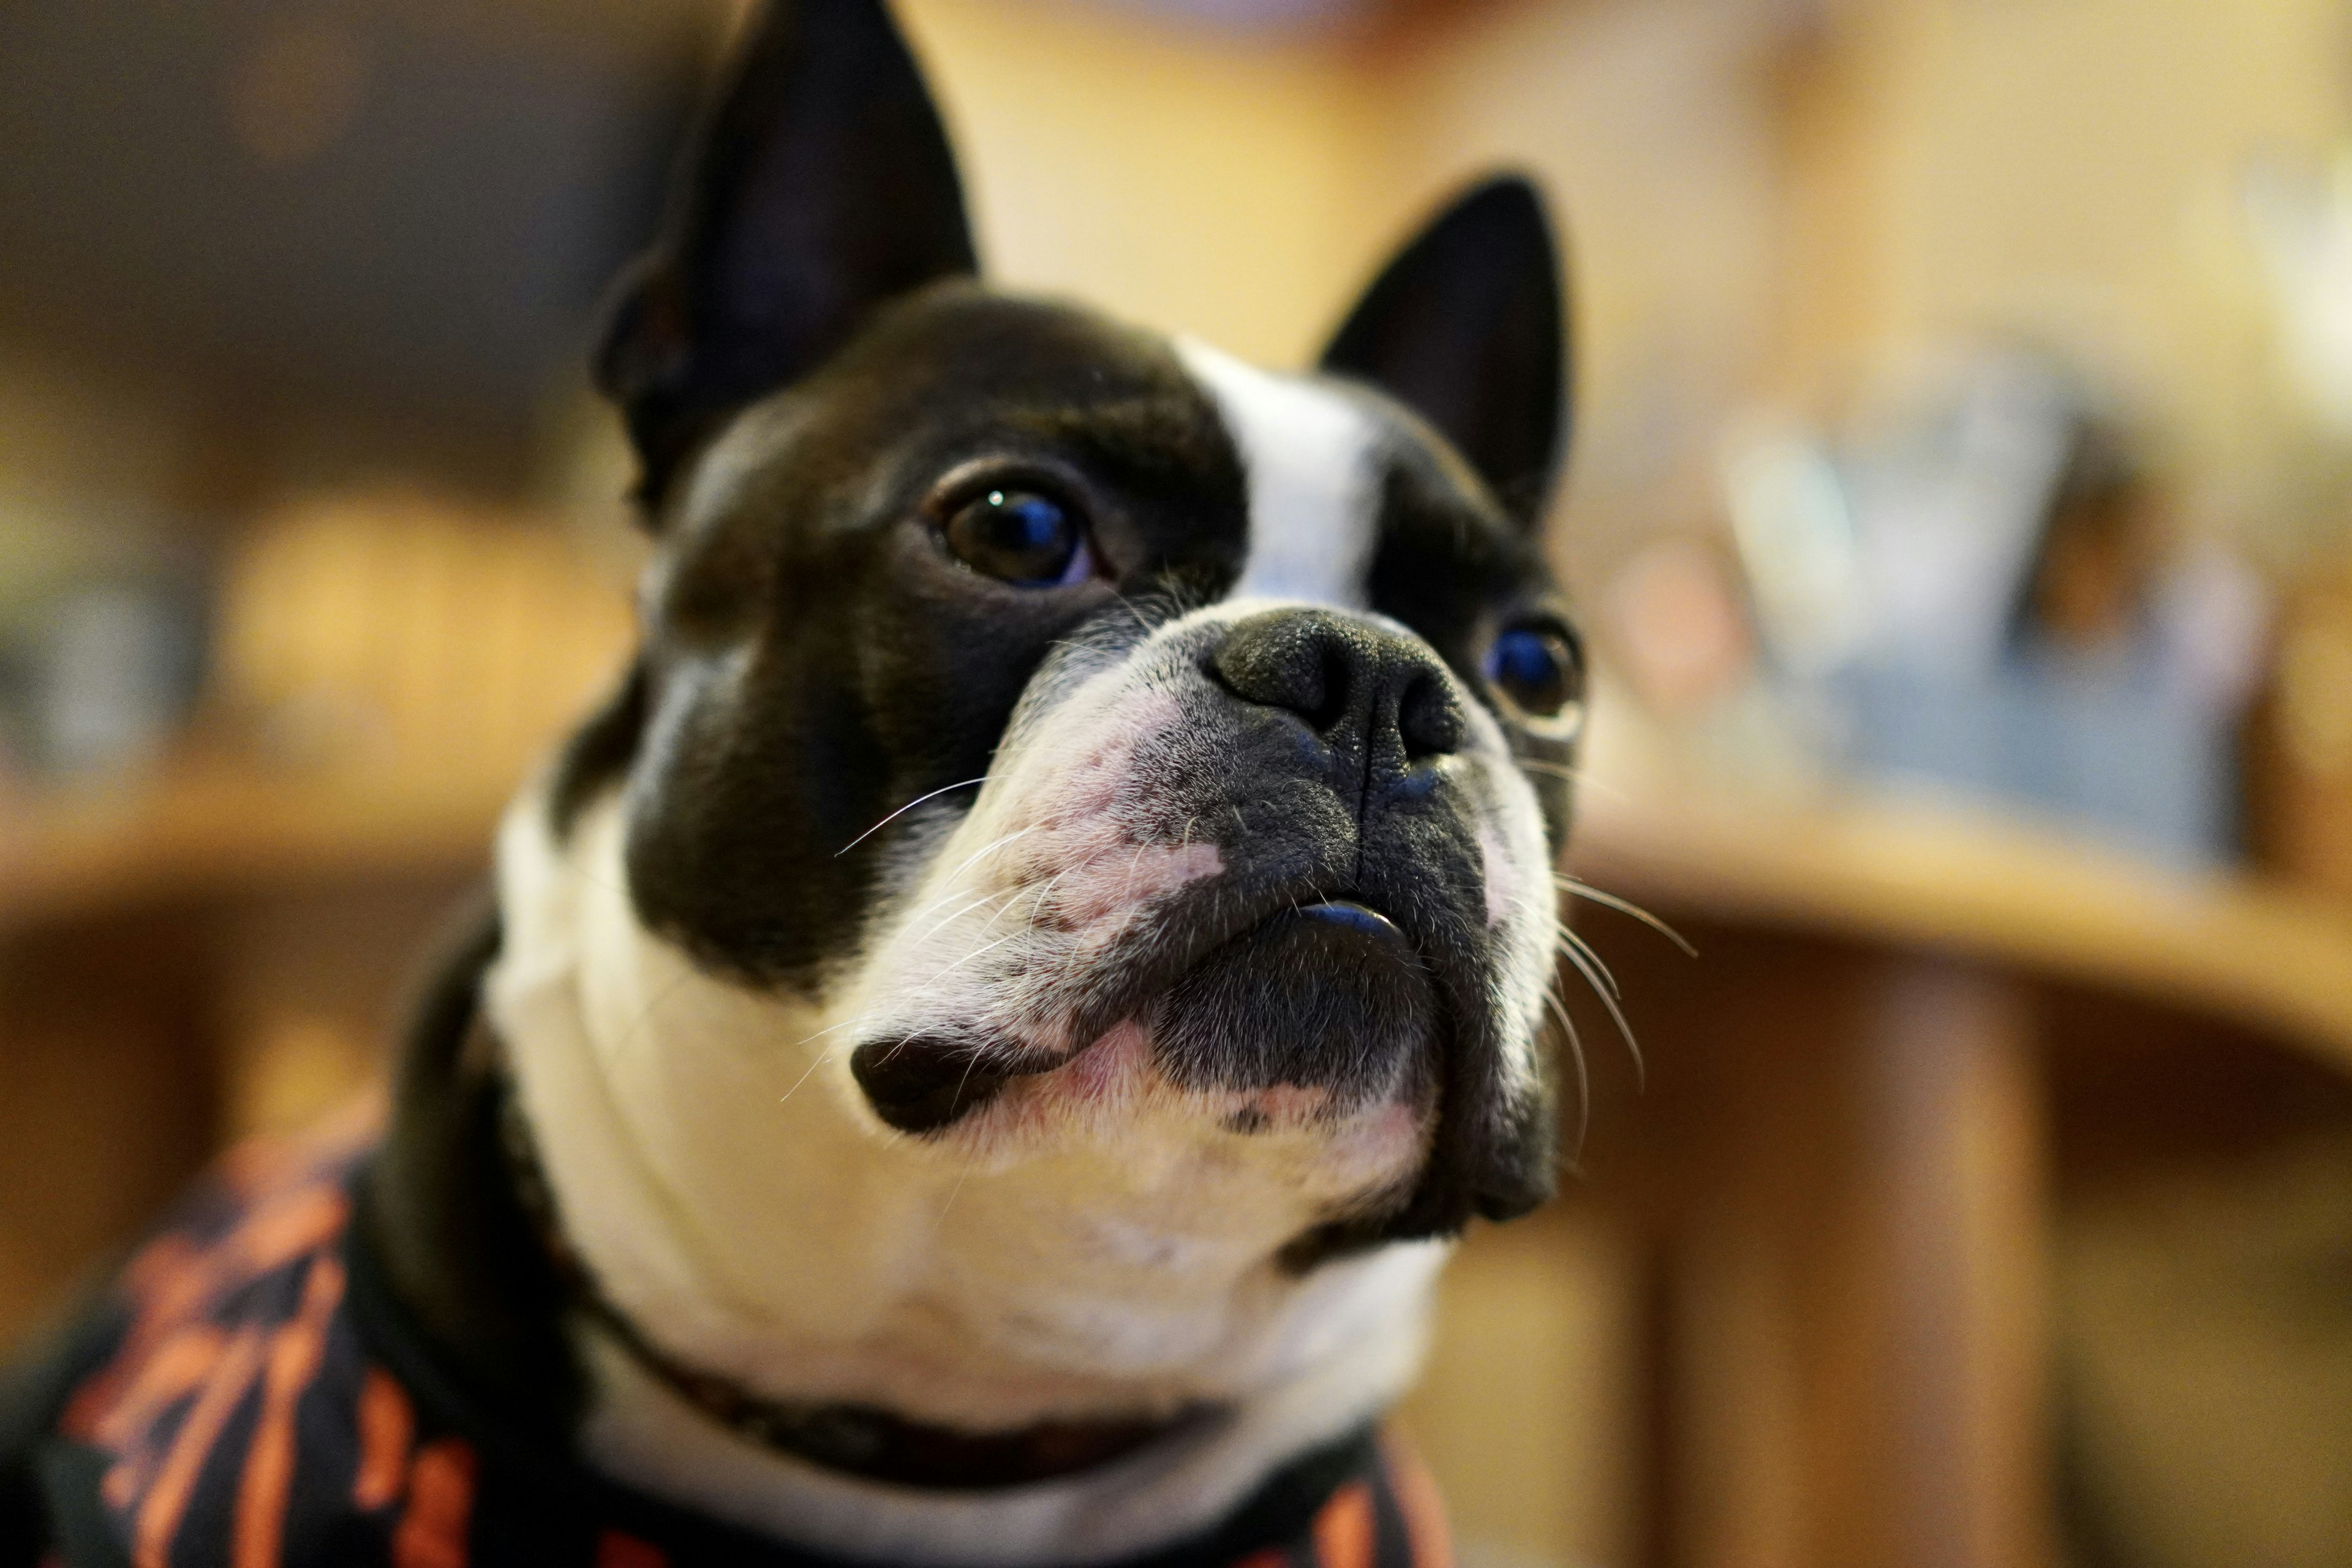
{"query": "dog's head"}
{"type": "Point", "coordinates": [1089, 753]}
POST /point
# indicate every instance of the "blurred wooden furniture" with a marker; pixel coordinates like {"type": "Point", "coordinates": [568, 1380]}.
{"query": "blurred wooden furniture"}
{"type": "Point", "coordinates": [2300, 741]}
{"type": "Point", "coordinates": [175, 956]}
{"type": "Point", "coordinates": [191, 956]}
{"type": "Point", "coordinates": [1832, 1194]}
{"type": "Point", "coordinates": [1838, 1186]}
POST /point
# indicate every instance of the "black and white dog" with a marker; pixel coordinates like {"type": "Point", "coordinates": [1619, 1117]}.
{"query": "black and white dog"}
{"type": "Point", "coordinates": [984, 1043]}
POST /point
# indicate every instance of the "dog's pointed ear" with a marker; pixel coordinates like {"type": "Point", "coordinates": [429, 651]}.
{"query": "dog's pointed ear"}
{"type": "Point", "coordinates": [818, 186]}
{"type": "Point", "coordinates": [1467, 328]}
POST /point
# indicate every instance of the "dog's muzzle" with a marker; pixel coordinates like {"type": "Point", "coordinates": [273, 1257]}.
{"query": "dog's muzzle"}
{"type": "Point", "coordinates": [1344, 949]}
{"type": "Point", "coordinates": [1333, 993]}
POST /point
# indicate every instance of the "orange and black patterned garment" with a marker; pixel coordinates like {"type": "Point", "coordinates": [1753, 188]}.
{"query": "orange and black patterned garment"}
{"type": "Point", "coordinates": [247, 1394]}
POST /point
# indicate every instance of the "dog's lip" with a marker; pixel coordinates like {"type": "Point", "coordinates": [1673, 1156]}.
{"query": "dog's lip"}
{"type": "Point", "coordinates": [1359, 918]}
{"type": "Point", "coordinates": [1182, 945]}
{"type": "Point", "coordinates": [925, 1081]}
{"type": "Point", "coordinates": [1337, 931]}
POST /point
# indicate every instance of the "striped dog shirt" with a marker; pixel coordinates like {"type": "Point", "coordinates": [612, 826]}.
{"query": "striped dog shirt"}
{"type": "Point", "coordinates": [247, 1393]}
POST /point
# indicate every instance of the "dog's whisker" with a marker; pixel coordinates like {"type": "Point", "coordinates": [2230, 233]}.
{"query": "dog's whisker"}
{"type": "Point", "coordinates": [950, 889]}
{"type": "Point", "coordinates": [1037, 904]}
{"type": "Point", "coordinates": [971, 906]}
{"type": "Point", "coordinates": [969, 1159]}
{"type": "Point", "coordinates": [1015, 753]}
{"type": "Point", "coordinates": [1616, 1014]}
{"type": "Point", "coordinates": [1127, 888]}
{"type": "Point", "coordinates": [1532, 905]}
{"type": "Point", "coordinates": [1571, 939]}
{"type": "Point", "coordinates": [1608, 900]}
{"type": "Point", "coordinates": [638, 1026]}
{"type": "Point", "coordinates": [588, 874]}
{"type": "Point", "coordinates": [1011, 896]}
{"type": "Point", "coordinates": [977, 900]}
{"type": "Point", "coordinates": [1138, 617]}
{"type": "Point", "coordinates": [943, 789]}
{"type": "Point", "coordinates": [1583, 778]}
{"type": "Point", "coordinates": [823, 1057]}
{"type": "Point", "coordinates": [831, 1029]}
{"type": "Point", "coordinates": [903, 1042]}
{"type": "Point", "coordinates": [987, 849]}
{"type": "Point", "coordinates": [938, 903]}
{"type": "Point", "coordinates": [967, 958]}
{"type": "Point", "coordinates": [1575, 1055]}
{"type": "Point", "coordinates": [962, 1083]}
{"type": "Point", "coordinates": [1036, 909]}
{"type": "Point", "coordinates": [1039, 892]}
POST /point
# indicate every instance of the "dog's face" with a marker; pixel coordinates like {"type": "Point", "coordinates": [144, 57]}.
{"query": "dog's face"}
{"type": "Point", "coordinates": [1119, 762]}
{"type": "Point", "coordinates": [1194, 673]}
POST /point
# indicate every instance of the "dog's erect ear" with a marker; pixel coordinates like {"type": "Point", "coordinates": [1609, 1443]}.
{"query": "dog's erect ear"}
{"type": "Point", "coordinates": [1466, 328]}
{"type": "Point", "coordinates": [819, 185]}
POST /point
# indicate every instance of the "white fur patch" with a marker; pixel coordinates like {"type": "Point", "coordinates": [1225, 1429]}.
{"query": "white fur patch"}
{"type": "Point", "coordinates": [1313, 500]}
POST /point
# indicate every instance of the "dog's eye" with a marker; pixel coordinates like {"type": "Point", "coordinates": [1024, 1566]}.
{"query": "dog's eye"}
{"type": "Point", "coordinates": [1538, 671]}
{"type": "Point", "coordinates": [1020, 537]}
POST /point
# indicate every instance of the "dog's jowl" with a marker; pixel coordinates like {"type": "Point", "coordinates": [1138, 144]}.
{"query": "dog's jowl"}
{"type": "Point", "coordinates": [982, 1045]}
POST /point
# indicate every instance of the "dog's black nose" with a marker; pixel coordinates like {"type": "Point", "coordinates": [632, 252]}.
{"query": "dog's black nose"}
{"type": "Point", "coordinates": [1357, 684]}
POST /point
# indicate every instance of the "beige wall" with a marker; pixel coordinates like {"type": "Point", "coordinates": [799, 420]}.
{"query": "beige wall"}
{"type": "Point", "coordinates": [1650, 124]}
{"type": "Point", "coordinates": [2070, 168]}
{"type": "Point", "coordinates": [1764, 201]}
{"type": "Point", "coordinates": [1181, 178]}
{"type": "Point", "coordinates": [1244, 190]}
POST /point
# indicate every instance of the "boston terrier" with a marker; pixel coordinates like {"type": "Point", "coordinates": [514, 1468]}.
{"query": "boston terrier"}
{"type": "Point", "coordinates": [981, 1049]}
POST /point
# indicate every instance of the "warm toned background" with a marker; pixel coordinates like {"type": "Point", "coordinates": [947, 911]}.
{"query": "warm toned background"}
{"type": "Point", "coordinates": [1990, 1197]}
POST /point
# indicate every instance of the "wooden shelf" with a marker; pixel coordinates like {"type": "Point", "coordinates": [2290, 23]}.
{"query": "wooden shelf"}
{"type": "Point", "coordinates": [1981, 888]}
{"type": "Point", "coordinates": [219, 825]}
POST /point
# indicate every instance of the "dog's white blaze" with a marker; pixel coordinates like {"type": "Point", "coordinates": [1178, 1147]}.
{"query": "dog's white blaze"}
{"type": "Point", "coordinates": [1313, 500]}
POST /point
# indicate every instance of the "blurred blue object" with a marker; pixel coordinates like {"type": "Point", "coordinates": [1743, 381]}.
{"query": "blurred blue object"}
{"type": "Point", "coordinates": [2117, 750]}
{"type": "Point", "coordinates": [1979, 594]}
{"type": "Point", "coordinates": [102, 654]}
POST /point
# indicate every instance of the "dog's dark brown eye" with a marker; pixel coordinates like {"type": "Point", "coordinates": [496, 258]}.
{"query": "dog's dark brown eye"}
{"type": "Point", "coordinates": [1538, 671]}
{"type": "Point", "coordinates": [1020, 537]}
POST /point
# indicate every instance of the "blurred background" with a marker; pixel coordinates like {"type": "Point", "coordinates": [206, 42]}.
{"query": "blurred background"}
{"type": "Point", "coordinates": [1960, 513]}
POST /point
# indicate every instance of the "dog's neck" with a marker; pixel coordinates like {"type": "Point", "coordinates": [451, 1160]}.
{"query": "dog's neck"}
{"type": "Point", "coordinates": [712, 1167]}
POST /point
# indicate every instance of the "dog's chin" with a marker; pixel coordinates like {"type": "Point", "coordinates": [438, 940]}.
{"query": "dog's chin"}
{"type": "Point", "coordinates": [1315, 1014]}
{"type": "Point", "coordinates": [1331, 1000]}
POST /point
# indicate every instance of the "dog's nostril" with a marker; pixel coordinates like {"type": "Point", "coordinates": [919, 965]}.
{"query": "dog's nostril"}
{"type": "Point", "coordinates": [1283, 661]}
{"type": "Point", "coordinates": [1342, 674]}
{"type": "Point", "coordinates": [1429, 718]}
